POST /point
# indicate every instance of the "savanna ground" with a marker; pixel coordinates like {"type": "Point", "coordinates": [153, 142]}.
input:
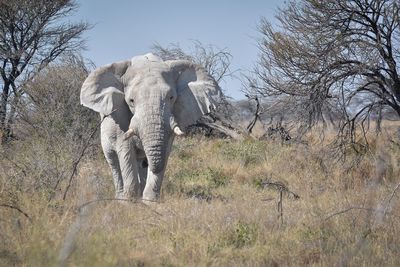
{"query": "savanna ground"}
{"type": "Point", "coordinates": [219, 208]}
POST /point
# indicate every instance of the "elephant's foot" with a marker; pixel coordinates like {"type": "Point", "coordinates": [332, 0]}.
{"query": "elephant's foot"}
{"type": "Point", "coordinates": [151, 197]}
{"type": "Point", "coordinates": [151, 192]}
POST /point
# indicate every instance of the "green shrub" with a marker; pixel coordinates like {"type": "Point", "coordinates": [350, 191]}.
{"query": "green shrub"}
{"type": "Point", "coordinates": [197, 183]}
{"type": "Point", "coordinates": [242, 234]}
{"type": "Point", "coordinates": [249, 152]}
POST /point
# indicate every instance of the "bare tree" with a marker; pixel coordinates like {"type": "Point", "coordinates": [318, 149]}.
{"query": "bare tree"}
{"type": "Point", "coordinates": [216, 61]}
{"type": "Point", "coordinates": [332, 57]}
{"type": "Point", "coordinates": [32, 35]}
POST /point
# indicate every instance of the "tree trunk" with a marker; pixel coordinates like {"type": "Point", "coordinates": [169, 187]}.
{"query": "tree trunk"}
{"type": "Point", "coordinates": [11, 117]}
{"type": "Point", "coordinates": [3, 112]}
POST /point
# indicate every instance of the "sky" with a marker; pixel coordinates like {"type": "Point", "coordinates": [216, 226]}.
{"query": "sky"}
{"type": "Point", "coordinates": [126, 28]}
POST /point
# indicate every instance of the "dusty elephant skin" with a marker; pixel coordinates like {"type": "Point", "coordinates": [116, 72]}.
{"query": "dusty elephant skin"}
{"type": "Point", "coordinates": [144, 102]}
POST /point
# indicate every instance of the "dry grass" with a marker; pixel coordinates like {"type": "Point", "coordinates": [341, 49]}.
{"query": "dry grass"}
{"type": "Point", "coordinates": [215, 211]}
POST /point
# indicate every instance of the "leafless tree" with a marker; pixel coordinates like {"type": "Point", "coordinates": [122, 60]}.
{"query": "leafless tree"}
{"type": "Point", "coordinates": [32, 35]}
{"type": "Point", "coordinates": [332, 57]}
{"type": "Point", "coordinates": [216, 61]}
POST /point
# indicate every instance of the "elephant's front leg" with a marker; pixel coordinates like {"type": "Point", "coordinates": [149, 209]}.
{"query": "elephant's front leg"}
{"type": "Point", "coordinates": [151, 192]}
{"type": "Point", "coordinates": [152, 189]}
{"type": "Point", "coordinates": [129, 169]}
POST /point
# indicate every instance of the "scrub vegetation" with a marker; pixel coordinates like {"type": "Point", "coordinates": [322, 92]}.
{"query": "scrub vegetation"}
{"type": "Point", "coordinates": [218, 207]}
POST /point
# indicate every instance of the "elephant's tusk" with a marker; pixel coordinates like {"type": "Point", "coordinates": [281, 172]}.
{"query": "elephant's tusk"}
{"type": "Point", "coordinates": [128, 134]}
{"type": "Point", "coordinates": [178, 131]}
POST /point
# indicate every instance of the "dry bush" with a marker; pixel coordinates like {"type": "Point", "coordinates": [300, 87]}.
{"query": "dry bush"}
{"type": "Point", "coordinates": [51, 132]}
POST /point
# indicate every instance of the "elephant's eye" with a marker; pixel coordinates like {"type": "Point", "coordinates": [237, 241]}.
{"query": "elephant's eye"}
{"type": "Point", "coordinates": [171, 97]}
{"type": "Point", "coordinates": [131, 101]}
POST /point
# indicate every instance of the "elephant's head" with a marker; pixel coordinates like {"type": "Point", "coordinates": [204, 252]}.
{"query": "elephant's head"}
{"type": "Point", "coordinates": [164, 97]}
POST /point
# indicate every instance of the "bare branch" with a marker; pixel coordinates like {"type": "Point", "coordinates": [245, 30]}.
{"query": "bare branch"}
{"type": "Point", "coordinates": [81, 154]}
{"type": "Point", "coordinates": [216, 61]}
{"type": "Point", "coordinates": [17, 209]}
{"type": "Point", "coordinates": [347, 210]}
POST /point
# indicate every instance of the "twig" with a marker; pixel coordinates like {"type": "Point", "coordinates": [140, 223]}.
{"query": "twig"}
{"type": "Point", "coordinates": [280, 206]}
{"type": "Point", "coordinates": [17, 209]}
{"type": "Point", "coordinates": [76, 163]}
{"type": "Point", "coordinates": [347, 210]}
{"type": "Point", "coordinates": [268, 199]}
{"type": "Point", "coordinates": [390, 198]}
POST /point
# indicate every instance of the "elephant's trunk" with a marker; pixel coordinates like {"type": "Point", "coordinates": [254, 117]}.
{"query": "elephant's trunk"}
{"type": "Point", "coordinates": [155, 135]}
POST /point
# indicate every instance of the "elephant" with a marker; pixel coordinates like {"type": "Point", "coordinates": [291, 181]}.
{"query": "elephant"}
{"type": "Point", "coordinates": [143, 103]}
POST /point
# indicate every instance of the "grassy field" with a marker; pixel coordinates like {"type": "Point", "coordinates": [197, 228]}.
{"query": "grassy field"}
{"type": "Point", "coordinates": [224, 203]}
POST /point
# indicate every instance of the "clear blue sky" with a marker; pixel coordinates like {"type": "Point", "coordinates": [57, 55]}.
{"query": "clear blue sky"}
{"type": "Point", "coordinates": [126, 28]}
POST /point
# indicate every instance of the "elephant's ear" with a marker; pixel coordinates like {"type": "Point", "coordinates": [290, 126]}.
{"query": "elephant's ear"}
{"type": "Point", "coordinates": [103, 90]}
{"type": "Point", "coordinates": [198, 93]}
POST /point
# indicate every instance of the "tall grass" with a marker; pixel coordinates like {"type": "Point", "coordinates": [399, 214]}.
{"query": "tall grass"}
{"type": "Point", "coordinates": [216, 211]}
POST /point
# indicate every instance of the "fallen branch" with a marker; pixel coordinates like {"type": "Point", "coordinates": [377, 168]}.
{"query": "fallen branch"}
{"type": "Point", "coordinates": [218, 125]}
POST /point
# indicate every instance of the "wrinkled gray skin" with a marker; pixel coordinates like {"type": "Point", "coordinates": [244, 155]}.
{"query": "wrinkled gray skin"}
{"type": "Point", "coordinates": [144, 103]}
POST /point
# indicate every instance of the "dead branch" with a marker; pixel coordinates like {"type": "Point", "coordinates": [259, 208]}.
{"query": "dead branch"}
{"type": "Point", "coordinates": [17, 209]}
{"type": "Point", "coordinates": [390, 198]}
{"type": "Point", "coordinates": [81, 154]}
{"type": "Point", "coordinates": [347, 210]}
{"type": "Point", "coordinates": [281, 188]}
{"type": "Point", "coordinates": [256, 115]}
